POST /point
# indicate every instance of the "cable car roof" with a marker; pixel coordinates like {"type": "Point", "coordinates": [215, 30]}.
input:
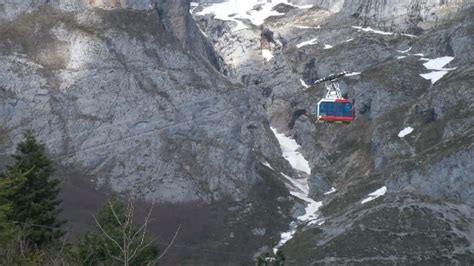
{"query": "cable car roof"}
{"type": "Point", "coordinates": [336, 100]}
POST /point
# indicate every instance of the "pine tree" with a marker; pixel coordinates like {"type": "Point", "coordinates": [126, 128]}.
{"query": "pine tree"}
{"type": "Point", "coordinates": [118, 240]}
{"type": "Point", "coordinates": [33, 198]}
{"type": "Point", "coordinates": [7, 228]}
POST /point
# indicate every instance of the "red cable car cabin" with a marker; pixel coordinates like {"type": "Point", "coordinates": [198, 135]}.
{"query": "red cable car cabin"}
{"type": "Point", "coordinates": [335, 110]}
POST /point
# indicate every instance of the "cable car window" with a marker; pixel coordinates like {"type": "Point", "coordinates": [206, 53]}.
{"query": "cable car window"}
{"type": "Point", "coordinates": [348, 110]}
{"type": "Point", "coordinates": [339, 109]}
{"type": "Point", "coordinates": [325, 109]}
{"type": "Point", "coordinates": [322, 109]}
{"type": "Point", "coordinates": [329, 109]}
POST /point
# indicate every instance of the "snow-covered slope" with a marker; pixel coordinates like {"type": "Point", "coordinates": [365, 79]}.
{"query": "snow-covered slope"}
{"type": "Point", "coordinates": [255, 11]}
{"type": "Point", "coordinates": [298, 187]}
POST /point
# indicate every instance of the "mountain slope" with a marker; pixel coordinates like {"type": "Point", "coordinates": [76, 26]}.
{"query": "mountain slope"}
{"type": "Point", "coordinates": [128, 98]}
{"type": "Point", "coordinates": [397, 84]}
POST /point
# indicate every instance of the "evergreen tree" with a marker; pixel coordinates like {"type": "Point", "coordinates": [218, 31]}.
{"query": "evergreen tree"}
{"type": "Point", "coordinates": [118, 239]}
{"type": "Point", "coordinates": [280, 258]}
{"type": "Point", "coordinates": [33, 194]}
{"type": "Point", "coordinates": [7, 228]}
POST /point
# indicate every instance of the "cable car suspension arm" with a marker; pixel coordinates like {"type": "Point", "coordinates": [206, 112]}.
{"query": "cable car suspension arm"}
{"type": "Point", "coordinates": [332, 87]}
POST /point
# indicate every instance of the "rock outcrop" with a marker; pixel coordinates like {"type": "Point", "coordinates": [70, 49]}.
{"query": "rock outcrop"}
{"type": "Point", "coordinates": [426, 174]}
{"type": "Point", "coordinates": [132, 95]}
{"type": "Point", "coordinates": [129, 96]}
{"type": "Point", "coordinates": [413, 16]}
{"type": "Point", "coordinates": [129, 92]}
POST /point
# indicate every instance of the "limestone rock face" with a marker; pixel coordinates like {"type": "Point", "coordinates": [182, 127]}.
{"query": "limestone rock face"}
{"type": "Point", "coordinates": [427, 174]}
{"type": "Point", "coordinates": [136, 96]}
{"type": "Point", "coordinates": [131, 97]}
{"type": "Point", "coordinates": [413, 15]}
{"type": "Point", "coordinates": [10, 9]}
{"type": "Point", "coordinates": [129, 93]}
{"type": "Point", "coordinates": [450, 178]}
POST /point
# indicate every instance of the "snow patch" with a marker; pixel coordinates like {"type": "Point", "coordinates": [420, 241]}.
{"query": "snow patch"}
{"type": "Point", "coordinates": [267, 54]}
{"type": "Point", "coordinates": [203, 33]}
{"type": "Point", "coordinates": [240, 26]}
{"type": "Point", "coordinates": [256, 11]}
{"type": "Point", "coordinates": [405, 51]}
{"type": "Point", "coordinates": [303, 6]}
{"type": "Point", "coordinates": [409, 35]}
{"type": "Point", "coordinates": [332, 190]}
{"type": "Point", "coordinates": [304, 83]}
{"type": "Point", "coordinates": [437, 64]}
{"type": "Point", "coordinates": [327, 46]}
{"type": "Point", "coordinates": [434, 76]}
{"type": "Point", "coordinates": [193, 6]}
{"type": "Point", "coordinates": [268, 165]}
{"type": "Point", "coordinates": [406, 131]}
{"type": "Point", "coordinates": [308, 27]}
{"type": "Point", "coordinates": [352, 74]}
{"type": "Point", "coordinates": [310, 42]}
{"type": "Point", "coordinates": [285, 237]}
{"type": "Point", "coordinates": [319, 222]}
{"type": "Point", "coordinates": [311, 211]}
{"type": "Point", "coordinates": [298, 187]}
{"type": "Point", "coordinates": [289, 148]}
{"type": "Point", "coordinates": [376, 194]}
{"type": "Point", "coordinates": [349, 40]}
{"type": "Point", "coordinates": [401, 57]}
{"type": "Point", "coordinates": [369, 29]}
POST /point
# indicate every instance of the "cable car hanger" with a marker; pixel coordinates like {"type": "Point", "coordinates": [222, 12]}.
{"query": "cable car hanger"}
{"type": "Point", "coordinates": [332, 87]}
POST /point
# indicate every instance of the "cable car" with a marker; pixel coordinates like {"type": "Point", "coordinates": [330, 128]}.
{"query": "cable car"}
{"type": "Point", "coordinates": [339, 110]}
{"type": "Point", "coordinates": [333, 107]}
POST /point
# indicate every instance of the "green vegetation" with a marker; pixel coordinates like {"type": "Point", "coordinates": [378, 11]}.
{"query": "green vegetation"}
{"type": "Point", "coordinates": [31, 232]}
{"type": "Point", "coordinates": [29, 210]}
{"type": "Point", "coordinates": [33, 195]}
{"type": "Point", "coordinates": [117, 239]}
{"type": "Point", "coordinates": [7, 229]}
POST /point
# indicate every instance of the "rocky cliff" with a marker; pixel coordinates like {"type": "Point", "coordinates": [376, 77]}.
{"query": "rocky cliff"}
{"type": "Point", "coordinates": [402, 171]}
{"type": "Point", "coordinates": [132, 97]}
{"type": "Point", "coordinates": [128, 97]}
{"type": "Point", "coordinates": [413, 16]}
{"type": "Point", "coordinates": [106, 86]}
